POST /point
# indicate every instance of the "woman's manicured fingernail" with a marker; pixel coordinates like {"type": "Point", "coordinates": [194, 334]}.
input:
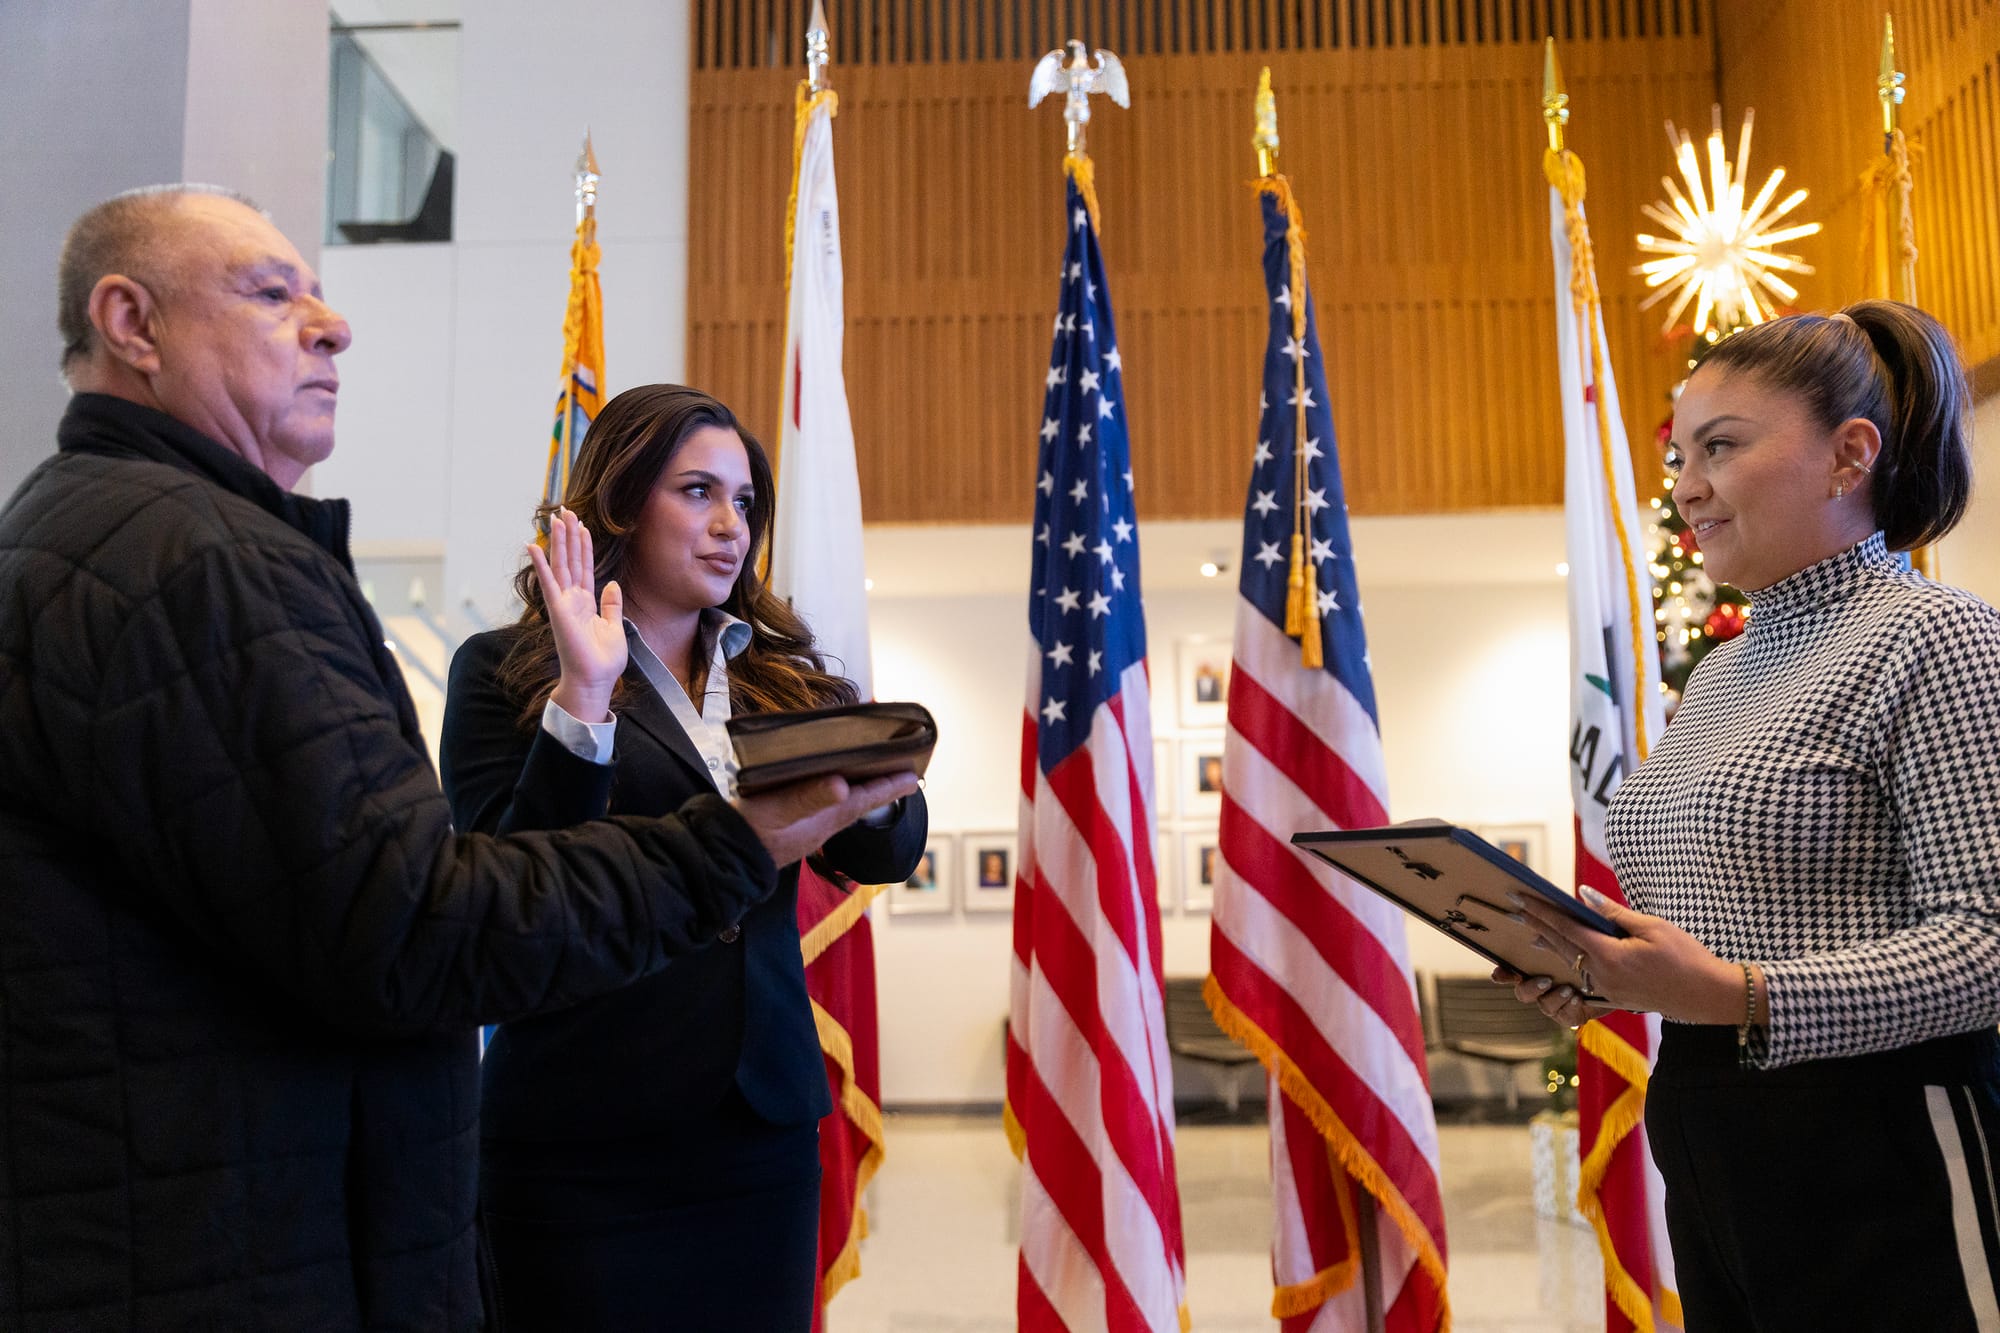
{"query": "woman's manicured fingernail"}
{"type": "Point", "coordinates": [1541, 983]}
{"type": "Point", "coordinates": [1543, 945]}
{"type": "Point", "coordinates": [1517, 900]}
{"type": "Point", "coordinates": [1516, 918]}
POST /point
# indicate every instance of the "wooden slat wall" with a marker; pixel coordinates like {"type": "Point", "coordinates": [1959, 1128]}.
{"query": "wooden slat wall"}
{"type": "Point", "coordinates": [1816, 63]}
{"type": "Point", "coordinates": [749, 34]}
{"type": "Point", "coordinates": [1419, 171]}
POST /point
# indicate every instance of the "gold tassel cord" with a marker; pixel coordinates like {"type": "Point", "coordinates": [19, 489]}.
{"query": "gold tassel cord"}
{"type": "Point", "coordinates": [1302, 585]}
{"type": "Point", "coordinates": [1078, 167]}
{"type": "Point", "coordinates": [1889, 240]}
{"type": "Point", "coordinates": [1564, 171]}
{"type": "Point", "coordinates": [1888, 258]}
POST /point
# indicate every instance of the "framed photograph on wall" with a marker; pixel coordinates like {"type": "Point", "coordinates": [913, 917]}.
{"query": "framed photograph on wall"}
{"type": "Point", "coordinates": [1202, 688]}
{"type": "Point", "coordinates": [1201, 775]}
{"type": "Point", "coordinates": [988, 866]}
{"type": "Point", "coordinates": [1201, 858]}
{"type": "Point", "coordinates": [928, 889]}
{"type": "Point", "coordinates": [1526, 843]}
{"type": "Point", "coordinates": [1166, 872]}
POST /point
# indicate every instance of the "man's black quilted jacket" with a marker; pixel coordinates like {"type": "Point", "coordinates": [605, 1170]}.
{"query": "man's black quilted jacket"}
{"type": "Point", "coordinates": [242, 952]}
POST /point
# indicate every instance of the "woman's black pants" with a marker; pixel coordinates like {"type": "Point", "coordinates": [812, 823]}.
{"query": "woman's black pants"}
{"type": "Point", "coordinates": [1836, 1196]}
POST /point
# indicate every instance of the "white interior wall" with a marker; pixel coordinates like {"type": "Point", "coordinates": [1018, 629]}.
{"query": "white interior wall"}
{"type": "Point", "coordinates": [1970, 557]}
{"type": "Point", "coordinates": [449, 389]}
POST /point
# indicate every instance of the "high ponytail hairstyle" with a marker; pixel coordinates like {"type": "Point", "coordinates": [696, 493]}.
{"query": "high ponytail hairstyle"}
{"type": "Point", "coordinates": [1891, 364]}
{"type": "Point", "coordinates": [626, 451]}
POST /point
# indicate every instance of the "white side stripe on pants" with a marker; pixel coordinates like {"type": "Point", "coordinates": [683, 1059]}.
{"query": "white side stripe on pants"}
{"type": "Point", "coordinates": [1964, 1208]}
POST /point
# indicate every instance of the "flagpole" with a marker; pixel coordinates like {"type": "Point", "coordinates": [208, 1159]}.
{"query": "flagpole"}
{"type": "Point", "coordinates": [1896, 224]}
{"type": "Point", "coordinates": [1890, 91]}
{"type": "Point", "coordinates": [586, 211]}
{"type": "Point", "coordinates": [1302, 583]}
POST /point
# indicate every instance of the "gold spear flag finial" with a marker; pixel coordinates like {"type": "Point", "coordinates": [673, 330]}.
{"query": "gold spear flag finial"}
{"type": "Point", "coordinates": [1265, 138]}
{"type": "Point", "coordinates": [1889, 83]}
{"type": "Point", "coordinates": [586, 181]}
{"type": "Point", "coordinates": [1555, 101]}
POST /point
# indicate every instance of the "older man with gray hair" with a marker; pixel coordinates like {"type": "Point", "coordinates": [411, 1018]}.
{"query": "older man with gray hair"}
{"type": "Point", "coordinates": [243, 954]}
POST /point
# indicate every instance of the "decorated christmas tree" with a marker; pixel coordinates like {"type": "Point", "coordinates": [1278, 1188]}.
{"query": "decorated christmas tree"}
{"type": "Point", "coordinates": [1720, 258]}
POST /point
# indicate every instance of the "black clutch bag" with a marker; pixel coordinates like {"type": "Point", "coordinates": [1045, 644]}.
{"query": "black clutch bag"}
{"type": "Point", "coordinates": [857, 741]}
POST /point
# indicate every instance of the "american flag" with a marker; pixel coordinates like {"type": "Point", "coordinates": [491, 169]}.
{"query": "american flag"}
{"type": "Point", "coordinates": [1089, 1085]}
{"type": "Point", "coordinates": [1306, 968]}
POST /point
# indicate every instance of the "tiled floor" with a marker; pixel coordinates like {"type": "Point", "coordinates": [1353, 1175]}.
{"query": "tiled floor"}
{"type": "Point", "coordinates": [940, 1257]}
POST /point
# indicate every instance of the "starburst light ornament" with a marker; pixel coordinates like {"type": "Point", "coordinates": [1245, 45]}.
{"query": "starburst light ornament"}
{"type": "Point", "coordinates": [1721, 255]}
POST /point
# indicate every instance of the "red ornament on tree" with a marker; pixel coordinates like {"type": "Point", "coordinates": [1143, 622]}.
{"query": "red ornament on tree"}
{"type": "Point", "coordinates": [1724, 622]}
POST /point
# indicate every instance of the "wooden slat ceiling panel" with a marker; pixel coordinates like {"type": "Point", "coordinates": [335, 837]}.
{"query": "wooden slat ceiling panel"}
{"type": "Point", "coordinates": [1418, 169]}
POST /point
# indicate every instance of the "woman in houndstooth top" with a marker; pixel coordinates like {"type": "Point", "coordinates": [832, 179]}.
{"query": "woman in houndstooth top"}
{"type": "Point", "coordinates": [1813, 853]}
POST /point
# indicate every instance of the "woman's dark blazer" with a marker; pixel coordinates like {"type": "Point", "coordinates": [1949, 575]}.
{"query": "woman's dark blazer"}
{"type": "Point", "coordinates": [664, 1052]}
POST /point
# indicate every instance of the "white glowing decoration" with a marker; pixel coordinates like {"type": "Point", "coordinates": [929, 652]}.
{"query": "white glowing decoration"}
{"type": "Point", "coordinates": [1721, 255]}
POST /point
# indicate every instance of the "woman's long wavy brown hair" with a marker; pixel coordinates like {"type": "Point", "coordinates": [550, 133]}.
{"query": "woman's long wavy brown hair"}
{"type": "Point", "coordinates": [624, 454]}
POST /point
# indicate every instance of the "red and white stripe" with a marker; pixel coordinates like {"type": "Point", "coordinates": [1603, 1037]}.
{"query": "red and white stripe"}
{"type": "Point", "coordinates": [1313, 972]}
{"type": "Point", "coordinates": [1089, 1080]}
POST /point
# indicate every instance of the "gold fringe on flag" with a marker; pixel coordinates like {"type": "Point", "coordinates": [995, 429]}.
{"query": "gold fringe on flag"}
{"type": "Point", "coordinates": [1302, 586]}
{"type": "Point", "coordinates": [806, 103]}
{"type": "Point", "coordinates": [867, 1117]}
{"type": "Point", "coordinates": [1345, 1149]}
{"type": "Point", "coordinates": [1622, 1117]}
{"type": "Point", "coordinates": [1305, 1297]}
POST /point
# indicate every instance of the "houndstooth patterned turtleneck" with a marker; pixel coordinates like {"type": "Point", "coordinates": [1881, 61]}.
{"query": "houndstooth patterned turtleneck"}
{"type": "Point", "coordinates": [1826, 803]}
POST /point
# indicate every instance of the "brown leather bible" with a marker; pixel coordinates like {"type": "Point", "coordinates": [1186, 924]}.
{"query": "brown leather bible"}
{"type": "Point", "coordinates": [856, 741]}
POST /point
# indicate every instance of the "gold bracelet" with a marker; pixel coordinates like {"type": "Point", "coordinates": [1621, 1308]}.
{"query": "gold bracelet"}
{"type": "Point", "coordinates": [1749, 1007]}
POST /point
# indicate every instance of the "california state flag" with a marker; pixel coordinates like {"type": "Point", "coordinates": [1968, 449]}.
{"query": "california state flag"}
{"type": "Point", "coordinates": [1616, 713]}
{"type": "Point", "coordinates": [816, 562]}
{"type": "Point", "coordinates": [816, 550]}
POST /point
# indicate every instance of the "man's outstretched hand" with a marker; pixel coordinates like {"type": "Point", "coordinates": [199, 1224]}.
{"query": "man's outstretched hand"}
{"type": "Point", "coordinates": [793, 822]}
